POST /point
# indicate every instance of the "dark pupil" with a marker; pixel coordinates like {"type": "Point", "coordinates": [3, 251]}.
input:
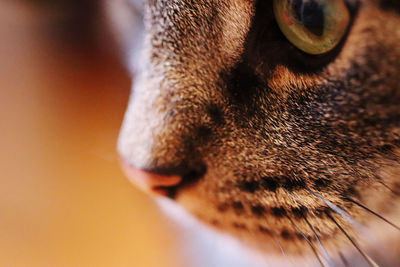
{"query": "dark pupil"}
{"type": "Point", "coordinates": [311, 14]}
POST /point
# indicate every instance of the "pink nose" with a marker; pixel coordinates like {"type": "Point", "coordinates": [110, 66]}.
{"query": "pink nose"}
{"type": "Point", "coordinates": [151, 182]}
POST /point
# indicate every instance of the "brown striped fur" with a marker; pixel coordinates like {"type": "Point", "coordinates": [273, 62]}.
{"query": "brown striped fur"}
{"type": "Point", "coordinates": [254, 125]}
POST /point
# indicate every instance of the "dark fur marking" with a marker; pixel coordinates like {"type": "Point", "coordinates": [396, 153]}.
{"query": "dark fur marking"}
{"type": "Point", "coordinates": [243, 87]}
{"type": "Point", "coordinates": [387, 148]}
{"type": "Point", "coordinates": [270, 183]}
{"type": "Point", "coordinates": [293, 184]}
{"type": "Point", "coordinates": [264, 230]}
{"type": "Point", "coordinates": [216, 114]}
{"type": "Point", "coordinates": [223, 207]}
{"type": "Point", "coordinates": [258, 210]}
{"type": "Point", "coordinates": [352, 192]}
{"type": "Point", "coordinates": [215, 222]}
{"type": "Point", "coordinates": [300, 212]}
{"type": "Point", "coordinates": [203, 132]}
{"type": "Point", "coordinates": [321, 212]}
{"type": "Point", "coordinates": [278, 212]}
{"type": "Point", "coordinates": [241, 226]}
{"type": "Point", "coordinates": [299, 236]}
{"type": "Point", "coordinates": [249, 186]}
{"type": "Point", "coordinates": [238, 206]}
{"type": "Point", "coordinates": [322, 183]}
{"type": "Point", "coordinates": [285, 234]}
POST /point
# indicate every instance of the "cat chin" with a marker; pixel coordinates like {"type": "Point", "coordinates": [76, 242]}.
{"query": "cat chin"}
{"type": "Point", "coordinates": [205, 246]}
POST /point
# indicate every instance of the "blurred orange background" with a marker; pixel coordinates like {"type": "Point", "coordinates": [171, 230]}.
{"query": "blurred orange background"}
{"type": "Point", "coordinates": [63, 199]}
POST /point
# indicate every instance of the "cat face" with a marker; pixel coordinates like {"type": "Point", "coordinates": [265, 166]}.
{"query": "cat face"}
{"type": "Point", "coordinates": [270, 141]}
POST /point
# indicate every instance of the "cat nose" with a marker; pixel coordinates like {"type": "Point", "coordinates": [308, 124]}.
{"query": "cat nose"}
{"type": "Point", "coordinates": [152, 182]}
{"type": "Point", "coordinates": [164, 181]}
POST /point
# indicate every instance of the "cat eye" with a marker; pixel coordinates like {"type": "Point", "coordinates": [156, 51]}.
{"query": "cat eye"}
{"type": "Point", "coordinates": [313, 26]}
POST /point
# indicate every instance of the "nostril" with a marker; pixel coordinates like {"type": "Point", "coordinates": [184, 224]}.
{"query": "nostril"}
{"type": "Point", "coordinates": [189, 178]}
{"type": "Point", "coordinates": [149, 181]}
{"type": "Point", "coordinates": [193, 175]}
{"type": "Point", "coordinates": [164, 181]}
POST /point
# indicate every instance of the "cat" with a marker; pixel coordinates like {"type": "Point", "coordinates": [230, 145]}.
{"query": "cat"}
{"type": "Point", "coordinates": [277, 122]}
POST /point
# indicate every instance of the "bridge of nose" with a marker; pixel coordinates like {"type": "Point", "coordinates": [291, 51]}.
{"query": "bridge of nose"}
{"type": "Point", "coordinates": [157, 130]}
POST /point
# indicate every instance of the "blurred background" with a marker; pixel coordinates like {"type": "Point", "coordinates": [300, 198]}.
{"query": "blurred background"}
{"type": "Point", "coordinates": [63, 91]}
{"type": "Point", "coordinates": [64, 87]}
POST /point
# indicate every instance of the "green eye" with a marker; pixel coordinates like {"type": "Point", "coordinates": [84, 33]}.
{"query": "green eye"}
{"type": "Point", "coordinates": [313, 26]}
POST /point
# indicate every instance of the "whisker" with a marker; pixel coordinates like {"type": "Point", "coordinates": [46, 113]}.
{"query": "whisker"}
{"type": "Point", "coordinates": [298, 200]}
{"type": "Point", "coordinates": [308, 241]}
{"type": "Point", "coordinates": [366, 234]}
{"type": "Point", "coordinates": [280, 247]}
{"type": "Point", "coordinates": [373, 212]}
{"type": "Point", "coordinates": [338, 210]}
{"type": "Point", "coordinates": [344, 260]}
{"type": "Point", "coordinates": [370, 261]}
{"type": "Point", "coordinates": [320, 243]}
{"type": "Point", "coordinates": [390, 189]}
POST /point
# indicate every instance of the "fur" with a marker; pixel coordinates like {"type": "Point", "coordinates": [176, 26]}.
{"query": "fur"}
{"type": "Point", "coordinates": [255, 126]}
